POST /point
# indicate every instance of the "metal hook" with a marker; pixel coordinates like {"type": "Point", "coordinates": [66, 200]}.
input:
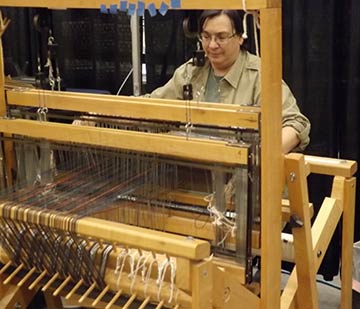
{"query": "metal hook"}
{"type": "Point", "coordinates": [51, 40]}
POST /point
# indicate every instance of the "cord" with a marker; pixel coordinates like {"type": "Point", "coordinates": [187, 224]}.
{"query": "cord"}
{"type": "Point", "coordinates": [125, 80]}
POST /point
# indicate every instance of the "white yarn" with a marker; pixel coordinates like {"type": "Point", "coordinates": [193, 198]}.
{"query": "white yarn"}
{"type": "Point", "coordinates": [161, 275]}
{"type": "Point", "coordinates": [123, 259]}
{"type": "Point", "coordinates": [218, 218]}
{"type": "Point", "coordinates": [141, 264]}
{"type": "Point", "coordinates": [142, 260]}
{"type": "Point", "coordinates": [172, 280]}
{"type": "Point", "coordinates": [148, 273]}
{"type": "Point", "coordinates": [256, 25]}
{"type": "Point", "coordinates": [143, 271]}
{"type": "Point", "coordinates": [245, 35]}
{"type": "Point", "coordinates": [119, 259]}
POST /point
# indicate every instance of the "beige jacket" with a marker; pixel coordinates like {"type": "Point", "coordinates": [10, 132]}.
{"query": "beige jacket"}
{"type": "Point", "coordinates": [241, 85]}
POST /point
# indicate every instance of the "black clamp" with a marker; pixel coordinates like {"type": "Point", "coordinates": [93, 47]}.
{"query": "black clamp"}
{"type": "Point", "coordinates": [187, 92]}
{"type": "Point", "coordinates": [198, 58]}
{"type": "Point", "coordinates": [295, 222]}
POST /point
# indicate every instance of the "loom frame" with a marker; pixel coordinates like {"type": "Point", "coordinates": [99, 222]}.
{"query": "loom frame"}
{"type": "Point", "coordinates": [272, 176]}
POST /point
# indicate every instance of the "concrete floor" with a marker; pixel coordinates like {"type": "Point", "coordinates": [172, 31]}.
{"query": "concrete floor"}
{"type": "Point", "coordinates": [329, 293]}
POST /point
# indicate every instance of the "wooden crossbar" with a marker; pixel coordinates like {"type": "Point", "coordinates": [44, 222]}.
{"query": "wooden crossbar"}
{"type": "Point", "coordinates": [144, 108]}
{"type": "Point", "coordinates": [164, 144]}
{"type": "Point", "coordinates": [184, 4]}
{"type": "Point", "coordinates": [331, 166]}
{"type": "Point", "coordinates": [173, 245]}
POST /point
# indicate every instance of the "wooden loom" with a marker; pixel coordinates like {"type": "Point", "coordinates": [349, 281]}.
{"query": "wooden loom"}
{"type": "Point", "coordinates": [204, 282]}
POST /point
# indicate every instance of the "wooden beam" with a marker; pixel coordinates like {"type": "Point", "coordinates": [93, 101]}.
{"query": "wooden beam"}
{"type": "Point", "coordinates": [2, 76]}
{"type": "Point", "coordinates": [163, 144]}
{"type": "Point", "coordinates": [114, 232]}
{"type": "Point", "coordinates": [8, 150]}
{"type": "Point", "coordinates": [44, 94]}
{"type": "Point", "coordinates": [347, 242]}
{"type": "Point", "coordinates": [274, 3]}
{"type": "Point", "coordinates": [139, 108]}
{"type": "Point", "coordinates": [272, 175]}
{"type": "Point", "coordinates": [331, 166]}
{"type": "Point", "coordinates": [303, 246]}
{"type": "Point", "coordinates": [178, 222]}
{"type": "Point", "coordinates": [185, 4]}
{"type": "Point", "coordinates": [202, 284]}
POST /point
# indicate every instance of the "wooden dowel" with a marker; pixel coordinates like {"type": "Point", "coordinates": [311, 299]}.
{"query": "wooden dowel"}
{"type": "Point", "coordinates": [129, 302]}
{"type": "Point", "coordinates": [37, 280]}
{"type": "Point", "coordinates": [74, 289]}
{"type": "Point", "coordinates": [101, 243]}
{"type": "Point", "coordinates": [101, 295]}
{"type": "Point", "coordinates": [62, 285]}
{"type": "Point", "coordinates": [5, 267]}
{"type": "Point", "coordinates": [13, 274]}
{"type": "Point", "coordinates": [26, 277]}
{"type": "Point", "coordinates": [88, 291]}
{"type": "Point", "coordinates": [144, 303]}
{"type": "Point", "coordinates": [177, 306]}
{"type": "Point", "coordinates": [160, 305]}
{"type": "Point", "coordinates": [114, 299]}
{"type": "Point", "coordinates": [50, 282]}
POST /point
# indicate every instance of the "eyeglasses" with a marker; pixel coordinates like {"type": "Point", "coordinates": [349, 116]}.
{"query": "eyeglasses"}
{"type": "Point", "coordinates": [220, 38]}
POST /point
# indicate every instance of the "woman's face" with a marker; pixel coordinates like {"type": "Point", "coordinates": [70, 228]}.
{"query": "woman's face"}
{"type": "Point", "coordinates": [220, 43]}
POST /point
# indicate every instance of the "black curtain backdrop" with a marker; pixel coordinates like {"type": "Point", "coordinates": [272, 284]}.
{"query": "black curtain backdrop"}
{"type": "Point", "coordinates": [94, 49]}
{"type": "Point", "coordinates": [19, 43]}
{"type": "Point", "coordinates": [321, 51]}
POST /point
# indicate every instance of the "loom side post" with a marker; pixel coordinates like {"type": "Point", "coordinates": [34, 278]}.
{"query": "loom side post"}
{"type": "Point", "coordinates": [8, 151]}
{"type": "Point", "coordinates": [202, 284]}
{"type": "Point", "coordinates": [272, 159]}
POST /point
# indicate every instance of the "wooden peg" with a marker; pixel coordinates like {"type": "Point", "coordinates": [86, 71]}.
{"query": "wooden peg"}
{"type": "Point", "coordinates": [5, 267]}
{"type": "Point", "coordinates": [144, 303]}
{"type": "Point", "coordinates": [62, 285]}
{"type": "Point", "coordinates": [114, 299]}
{"type": "Point", "coordinates": [101, 243]}
{"type": "Point", "coordinates": [87, 292]}
{"type": "Point", "coordinates": [129, 302]}
{"type": "Point", "coordinates": [177, 306]}
{"type": "Point", "coordinates": [74, 289]}
{"type": "Point", "coordinates": [37, 280]}
{"type": "Point", "coordinates": [50, 282]}
{"type": "Point", "coordinates": [115, 248]}
{"type": "Point", "coordinates": [26, 277]}
{"type": "Point", "coordinates": [159, 306]}
{"type": "Point", "coordinates": [100, 296]}
{"type": "Point", "coordinates": [13, 274]}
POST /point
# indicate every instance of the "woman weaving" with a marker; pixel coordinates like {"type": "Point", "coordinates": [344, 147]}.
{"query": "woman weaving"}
{"type": "Point", "coordinates": [232, 75]}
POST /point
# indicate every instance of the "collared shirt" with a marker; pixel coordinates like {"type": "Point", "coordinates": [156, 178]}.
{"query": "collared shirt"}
{"type": "Point", "coordinates": [241, 85]}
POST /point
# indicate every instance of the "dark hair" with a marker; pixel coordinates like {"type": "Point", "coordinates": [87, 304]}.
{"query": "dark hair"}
{"type": "Point", "coordinates": [233, 15]}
